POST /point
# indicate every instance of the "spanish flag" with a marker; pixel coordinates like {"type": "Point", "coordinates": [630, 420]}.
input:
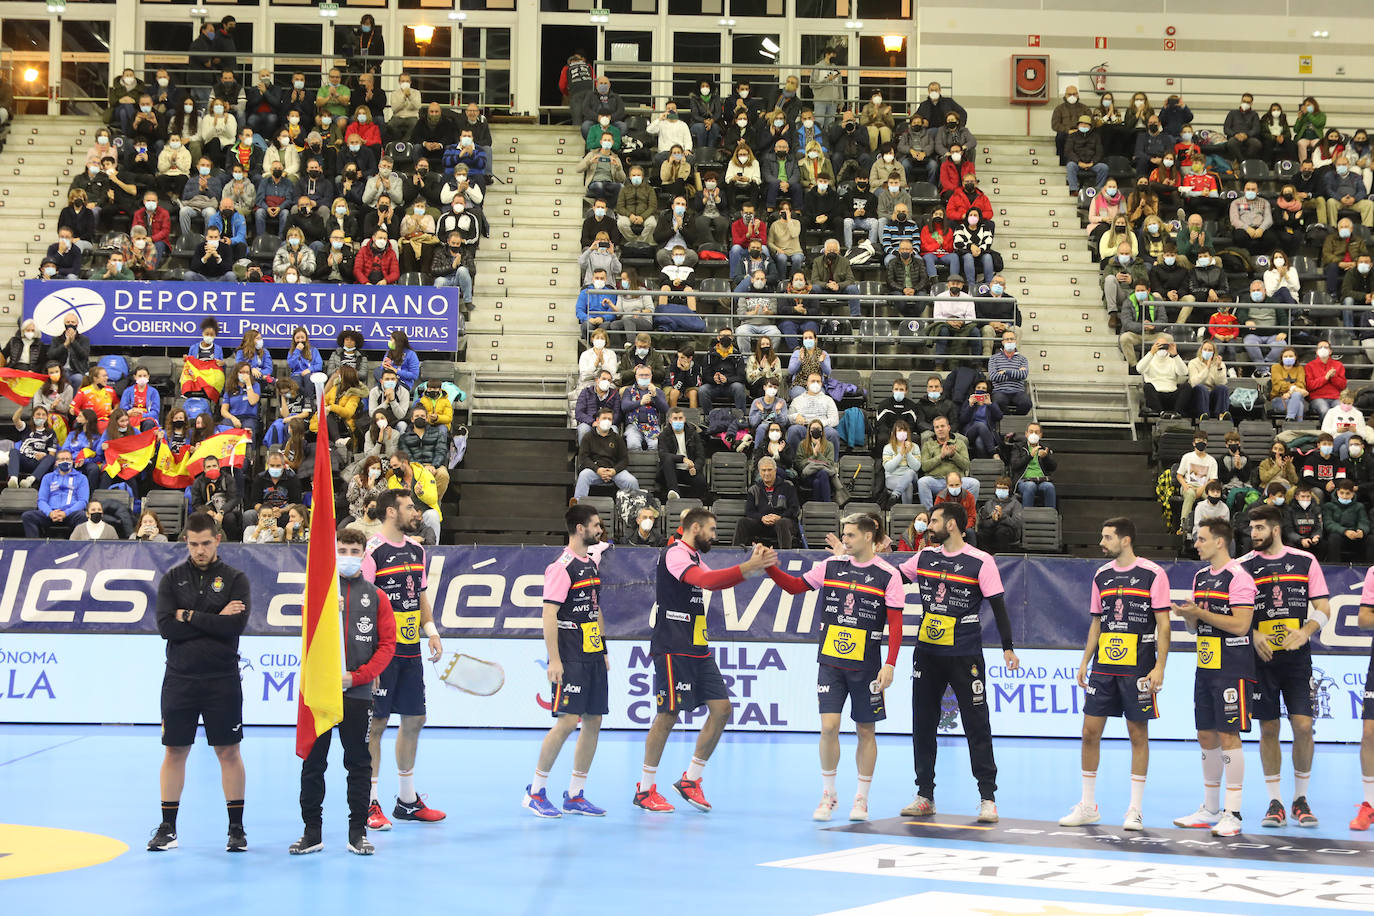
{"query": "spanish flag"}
{"type": "Point", "coordinates": [319, 703]}
{"type": "Point", "coordinates": [19, 386]}
{"type": "Point", "coordinates": [202, 376]}
{"type": "Point", "coordinates": [127, 456]}
{"type": "Point", "coordinates": [229, 447]}
{"type": "Point", "coordinates": [170, 469]}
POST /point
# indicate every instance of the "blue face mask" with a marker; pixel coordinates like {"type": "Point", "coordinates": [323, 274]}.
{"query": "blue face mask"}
{"type": "Point", "coordinates": [1343, 500]}
{"type": "Point", "coordinates": [349, 566]}
{"type": "Point", "coordinates": [1250, 195]}
{"type": "Point", "coordinates": [1256, 295]}
{"type": "Point", "coordinates": [933, 395]}
{"type": "Point", "coordinates": [1325, 450]}
{"type": "Point", "coordinates": [1342, 169]}
{"type": "Point", "coordinates": [997, 289]}
{"type": "Point", "coordinates": [920, 526]}
{"type": "Point", "coordinates": [63, 466]}
{"type": "Point", "coordinates": [899, 396]}
{"type": "Point", "coordinates": [678, 425]}
{"type": "Point", "coordinates": [274, 473]}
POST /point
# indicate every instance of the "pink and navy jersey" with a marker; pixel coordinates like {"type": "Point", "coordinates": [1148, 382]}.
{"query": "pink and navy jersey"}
{"type": "Point", "coordinates": [574, 584]}
{"type": "Point", "coordinates": [680, 627]}
{"type": "Point", "coordinates": [1367, 600]}
{"type": "Point", "coordinates": [1284, 586]}
{"type": "Point", "coordinates": [854, 598]}
{"type": "Point", "coordinates": [953, 588]}
{"type": "Point", "coordinates": [1126, 600]}
{"type": "Point", "coordinates": [1223, 591]}
{"type": "Point", "coordinates": [399, 571]}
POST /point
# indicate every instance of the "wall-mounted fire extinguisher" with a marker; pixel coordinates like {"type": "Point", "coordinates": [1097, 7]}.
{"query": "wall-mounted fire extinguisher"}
{"type": "Point", "coordinates": [1099, 75]}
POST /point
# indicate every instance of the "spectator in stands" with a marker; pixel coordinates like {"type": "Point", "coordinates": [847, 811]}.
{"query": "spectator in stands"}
{"type": "Point", "coordinates": [1083, 151]}
{"type": "Point", "coordinates": [601, 130]}
{"type": "Point", "coordinates": [796, 313]}
{"type": "Point", "coordinates": [681, 457]}
{"type": "Point", "coordinates": [71, 350]}
{"type": "Point", "coordinates": [955, 317]}
{"type": "Point", "coordinates": [707, 115]}
{"type": "Point", "coordinates": [758, 311]}
{"type": "Point", "coordinates": [997, 313]}
{"type": "Point", "coordinates": [294, 253]}
{"type": "Point", "coordinates": [808, 359]}
{"type": "Point", "coordinates": [1165, 377]}
{"type": "Point", "coordinates": [1210, 508]}
{"type": "Point", "coordinates": [1065, 117]}
{"type": "Point", "coordinates": [979, 420]}
{"type": "Point", "coordinates": [141, 402]}
{"type": "Point", "coordinates": [891, 197]}
{"type": "Point", "coordinates": [635, 209]}
{"type": "Point", "coordinates": [1343, 421]}
{"type": "Point", "coordinates": [115, 269]}
{"type": "Point", "coordinates": [343, 395]}
{"type": "Point", "coordinates": [769, 408]}
{"type": "Point", "coordinates": [1278, 469]}
{"type": "Point", "coordinates": [79, 217]}
{"type": "Point", "coordinates": [34, 453]}
{"type": "Point", "coordinates": [432, 134]}
{"type": "Point", "coordinates": [211, 261]}
{"type": "Point", "coordinates": [1118, 239]}
{"type": "Point", "coordinates": [936, 107]}
{"type": "Point", "coordinates": [1327, 149]}
{"type": "Point", "coordinates": [335, 264]}
{"type": "Point", "coordinates": [376, 264]}
{"type": "Point", "coordinates": [1207, 376]}
{"type": "Point", "coordinates": [303, 360]}
{"type": "Point", "coordinates": [1144, 314]}
{"type": "Point", "coordinates": [1169, 277]}
{"type": "Point", "coordinates": [1209, 282]}
{"type": "Point", "coordinates": [859, 208]}
{"type": "Point", "coordinates": [240, 190]}
{"type": "Point", "coordinates": [906, 276]}
{"type": "Point", "coordinates": [595, 398]}
{"type": "Point", "coordinates": [782, 176]}
{"type": "Point", "coordinates": [723, 373]}
{"type": "Point", "coordinates": [385, 183]}
{"type": "Point", "coordinates": [602, 171]}
{"type": "Point", "coordinates": [814, 406]}
{"type": "Point", "coordinates": [821, 209]}
{"type": "Point", "coordinates": [901, 460]}
{"type": "Point", "coordinates": [973, 242]}
{"type": "Point", "coordinates": [26, 351]}
{"type": "Point", "coordinates": [252, 353]}
{"type": "Point", "coordinates": [1302, 524]}
{"type": "Point", "coordinates": [217, 131]}
{"type": "Point", "coordinates": [232, 227]}
{"type": "Point", "coordinates": [942, 454]}
{"type": "Point", "coordinates": [596, 304]}
{"type": "Point", "coordinates": [850, 153]}
{"type": "Point", "coordinates": [966, 198]}
{"type": "Point", "coordinates": [642, 410]}
{"type": "Point", "coordinates": [1252, 221]}
{"type": "Point", "coordinates": [747, 236]}
{"type": "Point", "coordinates": [669, 130]}
{"type": "Point", "coordinates": [1007, 372]}
{"type": "Point", "coordinates": [427, 445]}
{"type": "Point", "coordinates": [935, 405]}
{"type": "Point", "coordinates": [893, 408]}
{"type": "Point", "coordinates": [937, 245]}
{"type": "Point", "coordinates": [1243, 131]}
{"type": "Point", "coordinates": [1360, 469]}
{"type": "Point", "coordinates": [263, 103]}
{"type": "Point", "coordinates": [602, 458]}
{"type": "Point", "coordinates": [642, 353]}
{"type": "Point", "coordinates": [999, 519]}
{"type": "Point", "coordinates": [784, 241]}
{"type": "Point", "coordinates": [954, 168]}
{"type": "Point", "coordinates": [634, 307]}
{"type": "Point", "coordinates": [62, 498]}
{"type": "Point", "coordinates": [390, 400]}
{"type": "Point", "coordinates": [600, 255]}
{"type": "Point", "coordinates": [815, 165]}
{"type": "Point", "coordinates": [601, 100]}
{"type": "Point", "coordinates": [1281, 283]}
{"type": "Point", "coordinates": [953, 133]}
{"type": "Point", "coordinates": [1345, 190]}
{"type": "Point", "coordinates": [1031, 465]}
{"type": "Point", "coordinates": [595, 358]}
{"type": "Point", "coordinates": [1322, 467]}
{"type": "Point", "coordinates": [65, 253]}
{"type": "Point", "coordinates": [154, 219]}
{"type": "Point", "coordinates": [683, 378]}
{"type": "Point", "coordinates": [712, 214]}
{"type": "Point", "coordinates": [1346, 523]}
{"type": "Point", "coordinates": [677, 304]}
{"type": "Point", "coordinates": [771, 508]}
{"type": "Point", "coordinates": [816, 466]}
{"type": "Point", "coordinates": [676, 228]}
{"type": "Point", "coordinates": [677, 174]}
{"type": "Point", "coordinates": [334, 98]}
{"type": "Point", "coordinates": [1143, 203]}
{"type": "Point", "coordinates": [1261, 328]}
{"type": "Point", "coordinates": [1340, 254]}
{"type": "Point", "coordinates": [1194, 471]}
{"type": "Point", "coordinates": [886, 166]}
{"type": "Point", "coordinates": [831, 273]}
{"type": "Point", "coordinates": [957, 493]}
{"type": "Point", "coordinates": [216, 493]}
{"type": "Point", "coordinates": [1325, 377]}
{"type": "Point", "coordinates": [1357, 294]}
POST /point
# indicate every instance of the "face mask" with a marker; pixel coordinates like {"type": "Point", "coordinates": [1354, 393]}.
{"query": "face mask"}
{"type": "Point", "coordinates": [679, 209]}
{"type": "Point", "coordinates": [349, 566]}
{"type": "Point", "coordinates": [49, 271]}
{"type": "Point", "coordinates": [1356, 451]}
{"type": "Point", "coordinates": [1200, 446]}
{"type": "Point", "coordinates": [1343, 500]}
{"type": "Point", "coordinates": [770, 391]}
{"type": "Point", "coordinates": [1111, 192]}
{"type": "Point", "coordinates": [1204, 262]}
{"type": "Point", "coordinates": [219, 109]}
{"type": "Point", "coordinates": [1207, 355]}
{"type": "Point", "coordinates": [1168, 163]}
{"type": "Point", "coordinates": [389, 383]}
{"type": "Point", "coordinates": [354, 147]}
{"type": "Point", "coordinates": [642, 382]}
{"type": "Point", "coordinates": [1323, 352]}
{"type": "Point", "coordinates": [1071, 99]}
{"type": "Point", "coordinates": [814, 387]}
{"type": "Point", "coordinates": [1009, 346]}
{"type": "Point", "coordinates": [954, 491]}
{"type": "Point", "coordinates": [1033, 438]}
{"type": "Point", "coordinates": [822, 186]}
{"type": "Point", "coordinates": [901, 435]}
{"type": "Point", "coordinates": [679, 259]}
{"type": "Point", "coordinates": [604, 426]}
{"type": "Point", "coordinates": [274, 473]}
{"type": "Point", "coordinates": [636, 180]}
{"type": "Point", "coordinates": [1342, 169]}
{"type": "Point", "coordinates": [204, 170]}
{"type": "Point", "coordinates": [1083, 128]}
{"type": "Point", "coordinates": [741, 124]}
{"type": "Point", "coordinates": [1213, 499]}
{"type": "Point", "coordinates": [744, 93]}
{"type": "Point", "coordinates": [97, 517]}
{"type": "Point", "coordinates": [1153, 229]}
{"type": "Point", "coordinates": [641, 352]}
{"type": "Point", "coordinates": [933, 395]}
{"type": "Point", "coordinates": [774, 435]}
{"type": "Point", "coordinates": [957, 157]}
{"type": "Point", "coordinates": [1290, 361]}
{"type": "Point", "coordinates": [1325, 450]}
{"type": "Point", "coordinates": [607, 144]}
{"type": "Point", "coordinates": [1309, 109]}
{"type": "Point", "coordinates": [298, 84]}
{"type": "Point", "coordinates": [116, 266]}
{"type": "Point", "coordinates": [1344, 233]}
{"type": "Point", "coordinates": [899, 395]}
{"type": "Point", "coordinates": [816, 433]}
{"type": "Point", "coordinates": [1002, 492]}
{"type": "Point", "coordinates": [1304, 503]}
{"type": "Point", "coordinates": [1186, 136]}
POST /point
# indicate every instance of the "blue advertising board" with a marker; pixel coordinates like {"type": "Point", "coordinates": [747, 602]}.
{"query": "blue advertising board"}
{"type": "Point", "coordinates": [165, 313]}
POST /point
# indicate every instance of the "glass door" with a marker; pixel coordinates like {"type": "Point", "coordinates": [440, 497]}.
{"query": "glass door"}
{"type": "Point", "coordinates": [84, 67]}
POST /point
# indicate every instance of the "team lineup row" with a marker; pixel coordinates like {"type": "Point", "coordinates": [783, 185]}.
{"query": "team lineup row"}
{"type": "Point", "coordinates": [1253, 617]}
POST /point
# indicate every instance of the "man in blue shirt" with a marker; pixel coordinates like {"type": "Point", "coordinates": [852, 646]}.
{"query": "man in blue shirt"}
{"type": "Point", "coordinates": [62, 498]}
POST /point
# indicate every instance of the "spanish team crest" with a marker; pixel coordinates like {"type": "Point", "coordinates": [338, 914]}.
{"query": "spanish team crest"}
{"type": "Point", "coordinates": [218, 584]}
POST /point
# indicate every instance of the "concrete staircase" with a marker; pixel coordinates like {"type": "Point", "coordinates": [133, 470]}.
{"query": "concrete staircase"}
{"type": "Point", "coordinates": [1077, 372]}
{"type": "Point", "coordinates": [39, 160]}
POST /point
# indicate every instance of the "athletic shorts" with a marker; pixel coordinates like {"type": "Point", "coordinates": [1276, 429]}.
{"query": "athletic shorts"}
{"type": "Point", "coordinates": [1120, 696]}
{"type": "Point", "coordinates": [686, 682]}
{"type": "Point", "coordinates": [1368, 713]}
{"type": "Point", "coordinates": [834, 684]}
{"type": "Point", "coordinates": [187, 701]}
{"type": "Point", "coordinates": [400, 688]}
{"type": "Point", "coordinates": [1222, 704]}
{"type": "Point", "coordinates": [1289, 680]}
{"type": "Point", "coordinates": [584, 690]}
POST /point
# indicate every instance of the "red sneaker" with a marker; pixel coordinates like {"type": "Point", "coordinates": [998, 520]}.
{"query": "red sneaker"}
{"type": "Point", "coordinates": [416, 811]}
{"type": "Point", "coordinates": [690, 789]}
{"type": "Point", "coordinates": [376, 820]}
{"type": "Point", "coordinates": [650, 800]}
{"type": "Point", "coordinates": [1363, 818]}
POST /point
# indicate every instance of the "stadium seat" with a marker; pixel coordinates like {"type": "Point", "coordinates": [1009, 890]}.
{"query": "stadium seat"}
{"type": "Point", "coordinates": [605, 507]}
{"type": "Point", "coordinates": [674, 509]}
{"type": "Point", "coordinates": [1256, 436]}
{"type": "Point", "coordinates": [859, 474]}
{"type": "Point", "coordinates": [111, 497]}
{"type": "Point", "coordinates": [817, 520]}
{"type": "Point", "coordinates": [263, 250]}
{"type": "Point", "coordinates": [412, 278]}
{"type": "Point", "coordinates": [880, 383]}
{"type": "Point", "coordinates": [1120, 168]}
{"type": "Point", "coordinates": [159, 370]}
{"type": "Point", "coordinates": [986, 470]}
{"type": "Point", "coordinates": [186, 245]}
{"type": "Point", "coordinates": [693, 415]}
{"type": "Point", "coordinates": [1015, 424]}
{"type": "Point", "coordinates": [1040, 532]}
{"type": "Point", "coordinates": [728, 514]}
{"type": "Point", "coordinates": [861, 507]}
{"type": "Point", "coordinates": [644, 466]}
{"type": "Point", "coordinates": [709, 303]}
{"type": "Point", "coordinates": [437, 369]}
{"type": "Point", "coordinates": [170, 508]}
{"type": "Point", "coordinates": [925, 197]}
{"type": "Point", "coordinates": [14, 502]}
{"type": "Point", "coordinates": [402, 155]}
{"type": "Point", "coordinates": [729, 474]}
{"type": "Point", "coordinates": [899, 518]}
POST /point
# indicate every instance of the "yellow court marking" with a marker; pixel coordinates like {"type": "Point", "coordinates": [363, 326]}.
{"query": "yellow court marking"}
{"type": "Point", "coordinates": [26, 851]}
{"type": "Point", "coordinates": [950, 826]}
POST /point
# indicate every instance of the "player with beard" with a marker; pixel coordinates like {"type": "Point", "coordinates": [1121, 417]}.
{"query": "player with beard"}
{"type": "Point", "coordinates": [955, 579]}
{"type": "Point", "coordinates": [685, 673]}
{"type": "Point", "coordinates": [1286, 581]}
{"type": "Point", "coordinates": [1128, 643]}
{"type": "Point", "coordinates": [395, 563]}
{"type": "Point", "coordinates": [577, 663]}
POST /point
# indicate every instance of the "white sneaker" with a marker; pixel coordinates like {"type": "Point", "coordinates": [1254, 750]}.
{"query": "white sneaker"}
{"type": "Point", "coordinates": [1081, 816]}
{"type": "Point", "coordinates": [860, 810]}
{"type": "Point", "coordinates": [1133, 820]}
{"type": "Point", "coordinates": [1227, 825]}
{"type": "Point", "coordinates": [673, 494]}
{"type": "Point", "coordinates": [27, 481]}
{"type": "Point", "coordinates": [1199, 819]}
{"type": "Point", "coordinates": [987, 811]}
{"type": "Point", "coordinates": [824, 809]}
{"type": "Point", "coordinates": [920, 807]}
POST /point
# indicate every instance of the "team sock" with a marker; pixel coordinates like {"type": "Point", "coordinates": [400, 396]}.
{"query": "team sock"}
{"type": "Point", "coordinates": [1234, 762]}
{"type": "Point", "coordinates": [1212, 766]}
{"type": "Point", "coordinates": [372, 799]}
{"type": "Point", "coordinates": [1137, 791]}
{"type": "Point", "coordinates": [828, 782]}
{"type": "Point", "coordinates": [540, 780]}
{"type": "Point", "coordinates": [1369, 790]}
{"type": "Point", "coordinates": [648, 777]}
{"type": "Point", "coordinates": [1089, 789]}
{"type": "Point", "coordinates": [576, 784]}
{"type": "Point", "coordinates": [695, 767]}
{"type": "Point", "coordinates": [1273, 784]}
{"type": "Point", "coordinates": [1300, 782]}
{"type": "Point", "coordinates": [235, 808]}
{"type": "Point", "coordinates": [865, 783]}
{"type": "Point", "coordinates": [169, 812]}
{"type": "Point", "coordinates": [407, 785]}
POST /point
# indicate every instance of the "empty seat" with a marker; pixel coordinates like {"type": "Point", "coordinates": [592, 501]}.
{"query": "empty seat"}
{"type": "Point", "coordinates": [1040, 531]}
{"type": "Point", "coordinates": [858, 473]}
{"type": "Point", "coordinates": [15, 501]}
{"type": "Point", "coordinates": [605, 507]}
{"type": "Point", "coordinates": [263, 250]}
{"type": "Point", "coordinates": [644, 467]}
{"type": "Point", "coordinates": [675, 507]}
{"type": "Point", "coordinates": [438, 369]}
{"type": "Point", "coordinates": [880, 382]}
{"type": "Point", "coordinates": [817, 520]}
{"type": "Point", "coordinates": [986, 471]}
{"type": "Point", "coordinates": [729, 473]}
{"type": "Point", "coordinates": [728, 514]}
{"type": "Point", "coordinates": [861, 507]}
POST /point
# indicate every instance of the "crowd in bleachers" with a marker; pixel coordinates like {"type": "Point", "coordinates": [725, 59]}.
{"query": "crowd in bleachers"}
{"type": "Point", "coordinates": [803, 208]}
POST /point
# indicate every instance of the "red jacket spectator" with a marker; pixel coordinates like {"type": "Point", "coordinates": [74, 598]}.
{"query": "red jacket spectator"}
{"type": "Point", "coordinates": [368, 132]}
{"type": "Point", "coordinates": [936, 240]}
{"type": "Point", "coordinates": [960, 203]}
{"type": "Point", "coordinates": [965, 499]}
{"type": "Point", "coordinates": [1318, 385]}
{"type": "Point", "coordinates": [1186, 153]}
{"type": "Point", "coordinates": [742, 233]}
{"type": "Point", "coordinates": [158, 224]}
{"type": "Point", "coordinates": [952, 176]}
{"type": "Point", "coordinates": [369, 260]}
{"type": "Point", "coordinates": [1202, 183]}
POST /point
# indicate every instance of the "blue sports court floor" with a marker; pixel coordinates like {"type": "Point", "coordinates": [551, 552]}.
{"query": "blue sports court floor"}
{"type": "Point", "coordinates": [757, 852]}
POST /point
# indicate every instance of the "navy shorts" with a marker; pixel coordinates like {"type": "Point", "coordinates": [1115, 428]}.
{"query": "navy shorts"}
{"type": "Point", "coordinates": [1222, 704]}
{"type": "Point", "coordinates": [187, 701]}
{"type": "Point", "coordinates": [400, 688]}
{"type": "Point", "coordinates": [834, 684]}
{"type": "Point", "coordinates": [1289, 680]}
{"type": "Point", "coordinates": [1120, 696]}
{"type": "Point", "coordinates": [686, 682]}
{"type": "Point", "coordinates": [584, 690]}
{"type": "Point", "coordinates": [1368, 713]}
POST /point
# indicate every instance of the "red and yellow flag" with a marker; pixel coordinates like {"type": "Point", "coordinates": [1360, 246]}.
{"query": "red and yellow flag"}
{"type": "Point", "coordinates": [170, 469]}
{"type": "Point", "coordinates": [319, 703]}
{"type": "Point", "coordinates": [229, 447]}
{"type": "Point", "coordinates": [202, 376]}
{"type": "Point", "coordinates": [127, 456]}
{"type": "Point", "coordinates": [20, 386]}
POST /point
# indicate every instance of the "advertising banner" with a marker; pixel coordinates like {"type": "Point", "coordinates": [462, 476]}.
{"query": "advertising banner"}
{"type": "Point", "coordinates": [165, 313]}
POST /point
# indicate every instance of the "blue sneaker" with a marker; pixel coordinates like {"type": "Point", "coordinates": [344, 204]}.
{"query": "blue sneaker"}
{"type": "Point", "coordinates": [578, 804]}
{"type": "Point", "coordinates": [538, 802]}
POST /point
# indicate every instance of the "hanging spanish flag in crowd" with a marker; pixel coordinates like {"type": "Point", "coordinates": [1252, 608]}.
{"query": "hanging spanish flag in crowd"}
{"type": "Point", "coordinates": [319, 703]}
{"type": "Point", "coordinates": [20, 386]}
{"type": "Point", "coordinates": [202, 376]}
{"type": "Point", "coordinates": [230, 447]}
{"type": "Point", "coordinates": [170, 468]}
{"type": "Point", "coordinates": [127, 456]}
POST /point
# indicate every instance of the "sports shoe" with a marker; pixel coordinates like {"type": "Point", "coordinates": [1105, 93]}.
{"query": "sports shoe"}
{"type": "Point", "coordinates": [1302, 813]}
{"type": "Point", "coordinates": [358, 843]}
{"type": "Point", "coordinates": [650, 800]}
{"type": "Point", "coordinates": [860, 810]}
{"type": "Point", "coordinates": [538, 802]}
{"type": "Point", "coordinates": [1363, 818]}
{"type": "Point", "coordinates": [673, 494]}
{"type": "Point", "coordinates": [27, 481]}
{"type": "Point", "coordinates": [310, 841]}
{"type": "Point", "coordinates": [1081, 815]}
{"type": "Point", "coordinates": [1227, 825]}
{"type": "Point", "coordinates": [690, 789]}
{"type": "Point", "coordinates": [987, 811]}
{"type": "Point", "coordinates": [1199, 819]}
{"type": "Point", "coordinates": [238, 840]}
{"type": "Point", "coordinates": [578, 804]}
{"type": "Point", "coordinates": [416, 811]}
{"type": "Point", "coordinates": [376, 820]}
{"type": "Point", "coordinates": [1133, 820]}
{"type": "Point", "coordinates": [165, 837]}
{"type": "Point", "coordinates": [826, 807]}
{"type": "Point", "coordinates": [920, 807]}
{"type": "Point", "coordinates": [1275, 816]}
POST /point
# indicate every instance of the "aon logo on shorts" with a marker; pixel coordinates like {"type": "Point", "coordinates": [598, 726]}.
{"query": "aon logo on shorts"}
{"type": "Point", "coordinates": [937, 629]}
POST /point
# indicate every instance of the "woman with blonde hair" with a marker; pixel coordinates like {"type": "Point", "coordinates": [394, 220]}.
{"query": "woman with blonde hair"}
{"type": "Point", "coordinates": [293, 253]}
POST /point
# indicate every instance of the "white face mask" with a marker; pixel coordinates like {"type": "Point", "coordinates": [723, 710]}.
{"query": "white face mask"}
{"type": "Point", "coordinates": [598, 344]}
{"type": "Point", "coordinates": [645, 524]}
{"type": "Point", "coordinates": [1033, 438]}
{"type": "Point", "coordinates": [604, 385]}
{"type": "Point", "coordinates": [901, 435]}
{"type": "Point", "coordinates": [604, 426]}
{"type": "Point", "coordinates": [774, 435]}
{"type": "Point", "coordinates": [1323, 352]}
{"type": "Point", "coordinates": [814, 387]}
